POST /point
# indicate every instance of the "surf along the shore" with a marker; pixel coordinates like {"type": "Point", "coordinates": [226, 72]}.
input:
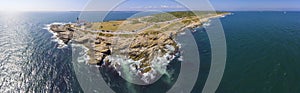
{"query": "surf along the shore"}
{"type": "Point", "coordinates": [138, 47]}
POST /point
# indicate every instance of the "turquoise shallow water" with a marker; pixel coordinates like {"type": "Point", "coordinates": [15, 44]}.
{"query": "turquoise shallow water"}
{"type": "Point", "coordinates": [263, 54]}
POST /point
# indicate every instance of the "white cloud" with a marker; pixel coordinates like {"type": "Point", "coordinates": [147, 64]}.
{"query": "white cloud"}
{"type": "Point", "coordinates": [164, 6]}
{"type": "Point", "coordinates": [159, 7]}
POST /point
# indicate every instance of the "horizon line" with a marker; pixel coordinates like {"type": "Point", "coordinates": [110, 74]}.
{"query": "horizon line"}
{"type": "Point", "coordinates": [140, 11]}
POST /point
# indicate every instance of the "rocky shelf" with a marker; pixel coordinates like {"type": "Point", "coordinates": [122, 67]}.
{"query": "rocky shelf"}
{"type": "Point", "coordinates": [138, 41]}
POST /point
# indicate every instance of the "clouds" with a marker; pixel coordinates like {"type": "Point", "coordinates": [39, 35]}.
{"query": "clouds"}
{"type": "Point", "coordinates": [256, 5]}
{"type": "Point", "coordinates": [144, 5]}
{"type": "Point", "coordinates": [163, 7]}
{"type": "Point", "coordinates": [154, 7]}
{"type": "Point", "coordinates": [42, 5]}
{"type": "Point", "coordinates": [171, 7]}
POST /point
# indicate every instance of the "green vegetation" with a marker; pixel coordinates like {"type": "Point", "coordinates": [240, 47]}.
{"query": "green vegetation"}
{"type": "Point", "coordinates": [161, 21]}
{"type": "Point", "coordinates": [173, 26]}
{"type": "Point", "coordinates": [107, 26]}
{"type": "Point", "coordinates": [132, 27]}
{"type": "Point", "coordinates": [106, 35]}
{"type": "Point", "coordinates": [187, 21]}
{"type": "Point", "coordinates": [146, 70]}
{"type": "Point", "coordinates": [179, 14]}
{"type": "Point", "coordinates": [150, 32]}
{"type": "Point", "coordinates": [141, 39]}
{"type": "Point", "coordinates": [182, 14]}
{"type": "Point", "coordinates": [160, 18]}
{"type": "Point", "coordinates": [126, 35]}
{"type": "Point", "coordinates": [135, 21]}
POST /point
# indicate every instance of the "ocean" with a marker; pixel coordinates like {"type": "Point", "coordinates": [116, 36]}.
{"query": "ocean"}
{"type": "Point", "coordinates": [262, 54]}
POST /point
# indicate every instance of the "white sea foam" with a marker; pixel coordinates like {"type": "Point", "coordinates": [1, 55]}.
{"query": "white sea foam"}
{"type": "Point", "coordinates": [83, 56]}
{"type": "Point", "coordinates": [206, 24]}
{"type": "Point", "coordinates": [159, 63]}
{"type": "Point", "coordinates": [125, 66]}
{"type": "Point", "coordinates": [60, 42]}
{"type": "Point", "coordinates": [180, 58]}
{"type": "Point", "coordinates": [182, 33]}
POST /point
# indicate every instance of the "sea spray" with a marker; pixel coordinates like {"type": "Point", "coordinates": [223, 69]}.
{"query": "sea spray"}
{"type": "Point", "coordinates": [60, 42]}
{"type": "Point", "coordinates": [83, 56]}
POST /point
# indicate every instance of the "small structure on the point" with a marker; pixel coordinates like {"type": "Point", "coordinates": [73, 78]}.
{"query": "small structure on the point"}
{"type": "Point", "coordinates": [80, 23]}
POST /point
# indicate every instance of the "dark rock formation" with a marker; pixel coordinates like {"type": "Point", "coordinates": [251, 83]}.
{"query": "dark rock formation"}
{"type": "Point", "coordinates": [64, 32]}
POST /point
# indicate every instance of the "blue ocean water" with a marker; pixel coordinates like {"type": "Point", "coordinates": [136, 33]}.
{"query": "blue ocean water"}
{"type": "Point", "coordinates": [262, 53]}
{"type": "Point", "coordinates": [29, 58]}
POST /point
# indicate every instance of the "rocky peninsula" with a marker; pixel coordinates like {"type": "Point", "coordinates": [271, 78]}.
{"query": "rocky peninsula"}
{"type": "Point", "coordinates": [140, 43]}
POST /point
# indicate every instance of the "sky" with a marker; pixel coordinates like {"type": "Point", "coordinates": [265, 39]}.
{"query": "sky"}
{"type": "Point", "coordinates": [42, 5]}
{"type": "Point", "coordinates": [260, 5]}
{"type": "Point", "coordinates": [142, 5]}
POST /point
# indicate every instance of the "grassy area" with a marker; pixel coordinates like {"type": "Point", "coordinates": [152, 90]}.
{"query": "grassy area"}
{"type": "Point", "coordinates": [135, 21]}
{"type": "Point", "coordinates": [135, 24]}
{"type": "Point", "coordinates": [159, 18]}
{"type": "Point", "coordinates": [150, 32]}
{"type": "Point", "coordinates": [132, 27]}
{"type": "Point", "coordinates": [108, 26]}
{"type": "Point", "coordinates": [126, 35]}
{"type": "Point", "coordinates": [173, 27]}
{"type": "Point", "coordinates": [179, 14]}
{"type": "Point", "coordinates": [106, 35]}
{"type": "Point", "coordinates": [157, 26]}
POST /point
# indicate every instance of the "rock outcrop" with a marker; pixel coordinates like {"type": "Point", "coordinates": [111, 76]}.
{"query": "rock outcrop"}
{"type": "Point", "coordinates": [64, 32]}
{"type": "Point", "coordinates": [140, 42]}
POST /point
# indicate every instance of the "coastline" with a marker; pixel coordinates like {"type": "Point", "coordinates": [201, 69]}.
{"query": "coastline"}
{"type": "Point", "coordinates": [85, 37]}
{"type": "Point", "coordinates": [61, 44]}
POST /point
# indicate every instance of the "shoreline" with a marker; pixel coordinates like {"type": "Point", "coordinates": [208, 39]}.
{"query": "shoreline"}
{"type": "Point", "coordinates": [153, 44]}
